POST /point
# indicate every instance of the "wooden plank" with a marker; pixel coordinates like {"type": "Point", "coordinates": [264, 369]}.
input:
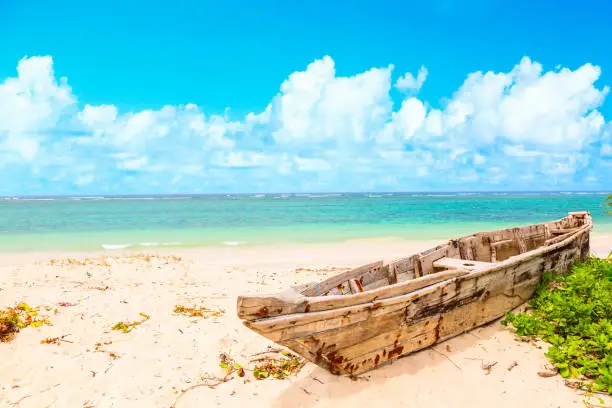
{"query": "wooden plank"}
{"type": "Point", "coordinates": [373, 276]}
{"type": "Point", "coordinates": [355, 286]}
{"type": "Point", "coordinates": [460, 264]}
{"type": "Point", "coordinates": [251, 307]}
{"type": "Point", "coordinates": [505, 249]}
{"type": "Point", "coordinates": [391, 273]}
{"type": "Point", "coordinates": [323, 308]}
{"type": "Point", "coordinates": [417, 267]}
{"type": "Point", "coordinates": [427, 261]}
{"type": "Point", "coordinates": [502, 243]}
{"type": "Point", "coordinates": [520, 241]}
{"type": "Point", "coordinates": [558, 239]}
{"type": "Point", "coordinates": [332, 282]}
{"type": "Point", "coordinates": [405, 276]}
{"type": "Point", "coordinates": [564, 230]}
{"type": "Point", "coordinates": [378, 284]}
{"type": "Point", "coordinates": [397, 334]}
{"type": "Point", "coordinates": [408, 340]}
{"type": "Point", "coordinates": [547, 233]}
{"type": "Point", "coordinates": [402, 266]}
{"type": "Point", "coordinates": [466, 250]}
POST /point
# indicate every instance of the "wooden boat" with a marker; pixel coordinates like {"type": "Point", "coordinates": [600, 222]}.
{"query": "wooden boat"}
{"type": "Point", "coordinates": [357, 320]}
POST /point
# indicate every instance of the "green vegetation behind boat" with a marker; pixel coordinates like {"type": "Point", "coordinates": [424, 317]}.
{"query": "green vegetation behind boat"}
{"type": "Point", "coordinates": [573, 312]}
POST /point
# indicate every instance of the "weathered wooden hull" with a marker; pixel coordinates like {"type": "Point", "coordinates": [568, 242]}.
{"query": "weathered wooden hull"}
{"type": "Point", "coordinates": [359, 337]}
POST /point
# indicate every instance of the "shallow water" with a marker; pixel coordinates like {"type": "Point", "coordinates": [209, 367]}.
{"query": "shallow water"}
{"type": "Point", "coordinates": [87, 223]}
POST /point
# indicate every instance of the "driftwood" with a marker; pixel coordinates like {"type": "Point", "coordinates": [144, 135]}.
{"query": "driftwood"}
{"type": "Point", "coordinates": [382, 312]}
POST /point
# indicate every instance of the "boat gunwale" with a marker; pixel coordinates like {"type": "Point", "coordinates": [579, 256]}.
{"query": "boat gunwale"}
{"type": "Point", "coordinates": [299, 299]}
{"type": "Point", "coordinates": [269, 325]}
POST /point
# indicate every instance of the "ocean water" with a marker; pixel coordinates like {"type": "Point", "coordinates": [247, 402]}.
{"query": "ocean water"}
{"type": "Point", "coordinates": [112, 223]}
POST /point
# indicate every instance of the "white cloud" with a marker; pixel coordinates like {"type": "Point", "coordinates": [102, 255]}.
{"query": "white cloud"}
{"type": "Point", "coordinates": [409, 83]}
{"type": "Point", "coordinates": [409, 118]}
{"type": "Point", "coordinates": [25, 145]}
{"type": "Point", "coordinates": [519, 151]}
{"type": "Point", "coordinates": [30, 105]}
{"type": "Point", "coordinates": [133, 164]}
{"type": "Point", "coordinates": [554, 110]}
{"type": "Point", "coordinates": [469, 175]}
{"type": "Point", "coordinates": [243, 159]}
{"type": "Point", "coordinates": [320, 131]}
{"type": "Point", "coordinates": [316, 105]}
{"type": "Point", "coordinates": [457, 152]}
{"type": "Point", "coordinates": [312, 164]}
{"type": "Point", "coordinates": [433, 123]}
{"type": "Point", "coordinates": [98, 116]}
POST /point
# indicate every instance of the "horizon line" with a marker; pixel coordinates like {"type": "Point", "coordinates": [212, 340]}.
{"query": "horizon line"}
{"type": "Point", "coordinates": [302, 193]}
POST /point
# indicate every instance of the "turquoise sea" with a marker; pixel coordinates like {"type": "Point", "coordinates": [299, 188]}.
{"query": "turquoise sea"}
{"type": "Point", "coordinates": [91, 223]}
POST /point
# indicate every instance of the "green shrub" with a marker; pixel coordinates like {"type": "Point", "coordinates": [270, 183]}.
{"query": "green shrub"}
{"type": "Point", "coordinates": [573, 313]}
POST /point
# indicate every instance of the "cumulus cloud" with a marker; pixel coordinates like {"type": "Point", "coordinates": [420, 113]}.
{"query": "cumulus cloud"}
{"type": "Point", "coordinates": [315, 105]}
{"type": "Point", "coordinates": [409, 83]}
{"type": "Point", "coordinates": [519, 151]}
{"type": "Point", "coordinates": [321, 131]}
{"type": "Point", "coordinates": [31, 105]}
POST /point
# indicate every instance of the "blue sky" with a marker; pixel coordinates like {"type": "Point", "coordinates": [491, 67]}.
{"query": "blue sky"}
{"type": "Point", "coordinates": [235, 96]}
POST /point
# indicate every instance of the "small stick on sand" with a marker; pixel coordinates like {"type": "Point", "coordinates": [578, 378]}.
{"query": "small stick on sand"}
{"type": "Point", "coordinates": [447, 357]}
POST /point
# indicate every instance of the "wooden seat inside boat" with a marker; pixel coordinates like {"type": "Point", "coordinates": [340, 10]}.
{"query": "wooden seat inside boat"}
{"type": "Point", "coordinates": [445, 263]}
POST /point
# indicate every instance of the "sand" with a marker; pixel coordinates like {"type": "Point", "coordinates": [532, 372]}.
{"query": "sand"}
{"type": "Point", "coordinates": [170, 352]}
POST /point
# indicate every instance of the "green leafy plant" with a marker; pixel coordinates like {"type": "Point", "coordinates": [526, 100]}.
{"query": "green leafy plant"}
{"type": "Point", "coordinates": [230, 366]}
{"type": "Point", "coordinates": [573, 312]}
{"type": "Point", "coordinates": [278, 367]}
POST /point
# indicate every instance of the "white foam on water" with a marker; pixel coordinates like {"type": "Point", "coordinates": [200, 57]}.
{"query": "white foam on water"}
{"type": "Point", "coordinates": [159, 244]}
{"type": "Point", "coordinates": [174, 243]}
{"type": "Point", "coordinates": [112, 247]}
{"type": "Point", "coordinates": [322, 195]}
{"type": "Point", "coordinates": [33, 199]}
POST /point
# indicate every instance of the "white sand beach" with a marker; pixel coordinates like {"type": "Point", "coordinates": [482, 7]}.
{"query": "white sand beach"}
{"type": "Point", "coordinates": [152, 364]}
